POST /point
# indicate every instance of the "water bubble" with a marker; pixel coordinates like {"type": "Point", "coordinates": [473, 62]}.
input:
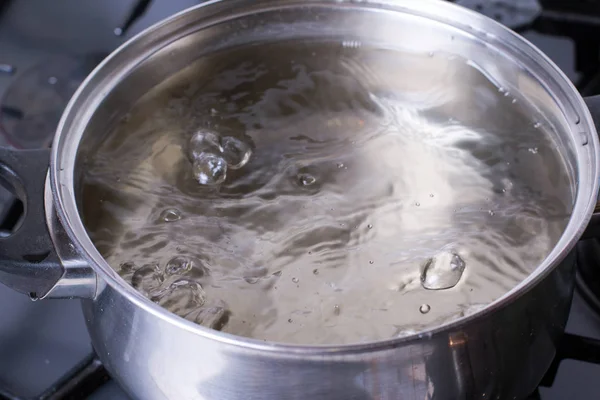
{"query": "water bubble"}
{"type": "Point", "coordinates": [214, 112]}
{"type": "Point", "coordinates": [507, 185]}
{"type": "Point", "coordinates": [514, 101]}
{"type": "Point", "coordinates": [370, 226]}
{"type": "Point", "coordinates": [425, 308]}
{"type": "Point", "coordinates": [180, 297]}
{"type": "Point", "coordinates": [179, 265]}
{"type": "Point", "coordinates": [336, 310]}
{"type": "Point", "coordinates": [290, 320]}
{"type": "Point", "coordinates": [371, 262]}
{"type": "Point", "coordinates": [306, 179]}
{"type": "Point", "coordinates": [127, 266]}
{"type": "Point", "coordinates": [501, 89]}
{"type": "Point", "coordinates": [147, 279]}
{"type": "Point", "coordinates": [431, 195]}
{"type": "Point", "coordinates": [202, 142]}
{"type": "Point", "coordinates": [491, 212]}
{"type": "Point", "coordinates": [210, 169]}
{"type": "Point", "coordinates": [417, 204]}
{"type": "Point", "coordinates": [506, 94]}
{"type": "Point", "coordinates": [295, 280]}
{"type": "Point", "coordinates": [215, 316]}
{"type": "Point", "coordinates": [340, 165]}
{"type": "Point", "coordinates": [533, 150]}
{"type": "Point", "coordinates": [430, 54]}
{"type": "Point", "coordinates": [277, 273]}
{"type": "Point", "coordinates": [251, 279]}
{"type": "Point", "coordinates": [170, 215]}
{"type": "Point", "coordinates": [442, 271]}
{"type": "Point", "coordinates": [236, 152]}
{"type": "Point", "coordinates": [316, 271]}
{"type": "Point", "coordinates": [537, 125]}
{"type": "Point", "coordinates": [405, 332]}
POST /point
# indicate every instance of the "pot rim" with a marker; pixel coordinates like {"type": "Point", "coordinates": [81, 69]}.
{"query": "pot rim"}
{"type": "Point", "coordinates": [84, 102]}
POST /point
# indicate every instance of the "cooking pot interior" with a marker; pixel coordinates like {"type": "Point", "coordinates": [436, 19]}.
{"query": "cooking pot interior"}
{"type": "Point", "coordinates": [447, 72]}
{"type": "Point", "coordinates": [416, 34]}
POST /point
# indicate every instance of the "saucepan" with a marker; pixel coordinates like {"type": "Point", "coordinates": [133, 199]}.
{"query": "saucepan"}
{"type": "Point", "coordinates": [499, 352]}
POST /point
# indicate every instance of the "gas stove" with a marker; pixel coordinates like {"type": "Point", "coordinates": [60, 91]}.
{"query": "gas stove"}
{"type": "Point", "coordinates": [47, 49]}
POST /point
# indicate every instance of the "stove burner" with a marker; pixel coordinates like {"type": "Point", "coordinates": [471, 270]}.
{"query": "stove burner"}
{"type": "Point", "coordinates": [35, 100]}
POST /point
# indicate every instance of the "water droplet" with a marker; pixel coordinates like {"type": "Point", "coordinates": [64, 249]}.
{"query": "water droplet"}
{"type": "Point", "coordinates": [430, 54]}
{"type": "Point", "coordinates": [501, 89]}
{"type": "Point", "coordinates": [277, 273]}
{"type": "Point", "coordinates": [316, 271]}
{"type": "Point", "coordinates": [537, 125]}
{"type": "Point", "coordinates": [425, 308]}
{"type": "Point", "coordinates": [533, 150]}
{"type": "Point", "coordinates": [295, 280]}
{"type": "Point", "coordinates": [306, 179]}
{"type": "Point", "coordinates": [417, 204]}
{"type": "Point", "coordinates": [452, 37]}
{"type": "Point", "coordinates": [514, 101]}
{"type": "Point", "coordinates": [210, 169]}
{"type": "Point", "coordinates": [442, 271]}
{"type": "Point", "coordinates": [371, 262]}
{"type": "Point", "coordinates": [506, 94]}
{"type": "Point", "coordinates": [53, 80]}
{"type": "Point", "coordinates": [340, 165]}
{"type": "Point", "coordinates": [491, 212]}
{"type": "Point", "coordinates": [214, 112]}
{"type": "Point", "coordinates": [202, 142]}
{"type": "Point", "coordinates": [236, 152]}
{"type": "Point", "coordinates": [431, 195]}
{"type": "Point", "coordinates": [370, 226]}
{"type": "Point", "coordinates": [290, 320]}
{"type": "Point", "coordinates": [251, 279]}
{"type": "Point", "coordinates": [170, 215]}
{"type": "Point", "coordinates": [336, 310]}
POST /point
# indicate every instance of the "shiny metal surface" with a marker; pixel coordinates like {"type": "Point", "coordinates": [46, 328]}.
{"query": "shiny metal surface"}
{"type": "Point", "coordinates": [500, 352]}
{"type": "Point", "coordinates": [79, 279]}
{"type": "Point", "coordinates": [500, 355]}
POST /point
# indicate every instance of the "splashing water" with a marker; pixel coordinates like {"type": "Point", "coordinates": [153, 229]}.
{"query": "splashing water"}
{"type": "Point", "coordinates": [355, 194]}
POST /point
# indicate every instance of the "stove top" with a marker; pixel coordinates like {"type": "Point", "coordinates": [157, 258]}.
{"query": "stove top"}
{"type": "Point", "coordinates": [48, 47]}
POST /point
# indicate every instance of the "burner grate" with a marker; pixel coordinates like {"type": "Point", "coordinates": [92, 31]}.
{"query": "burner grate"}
{"type": "Point", "coordinates": [80, 382]}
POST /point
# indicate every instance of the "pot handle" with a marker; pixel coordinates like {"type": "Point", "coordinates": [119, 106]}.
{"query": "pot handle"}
{"type": "Point", "coordinates": [28, 261]}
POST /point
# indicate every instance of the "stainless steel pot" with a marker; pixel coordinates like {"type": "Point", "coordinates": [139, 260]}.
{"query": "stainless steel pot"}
{"type": "Point", "coordinates": [500, 352]}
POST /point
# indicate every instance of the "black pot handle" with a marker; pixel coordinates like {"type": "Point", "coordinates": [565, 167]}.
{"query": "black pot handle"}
{"type": "Point", "coordinates": [28, 260]}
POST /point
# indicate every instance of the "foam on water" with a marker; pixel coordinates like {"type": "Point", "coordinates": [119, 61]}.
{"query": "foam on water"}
{"type": "Point", "coordinates": [324, 193]}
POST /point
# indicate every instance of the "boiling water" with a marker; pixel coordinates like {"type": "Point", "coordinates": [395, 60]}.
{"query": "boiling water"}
{"type": "Point", "coordinates": [320, 193]}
